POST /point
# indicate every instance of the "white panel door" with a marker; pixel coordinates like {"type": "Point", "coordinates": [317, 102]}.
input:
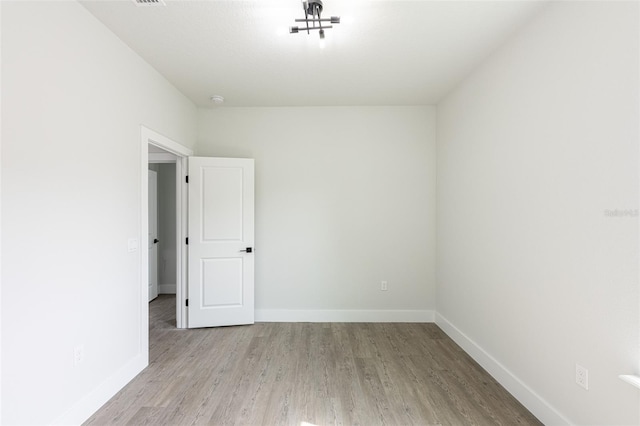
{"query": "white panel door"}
{"type": "Point", "coordinates": [153, 235]}
{"type": "Point", "coordinates": [220, 259]}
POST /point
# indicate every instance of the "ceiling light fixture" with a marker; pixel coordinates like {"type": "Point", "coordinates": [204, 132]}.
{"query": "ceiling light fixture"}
{"type": "Point", "coordinates": [217, 99]}
{"type": "Point", "coordinates": [149, 2]}
{"type": "Point", "coordinates": [312, 11]}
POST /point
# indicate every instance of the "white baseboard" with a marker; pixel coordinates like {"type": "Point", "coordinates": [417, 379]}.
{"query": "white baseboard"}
{"type": "Point", "coordinates": [95, 399]}
{"type": "Point", "coordinates": [299, 315]}
{"type": "Point", "coordinates": [523, 393]}
{"type": "Point", "coordinates": [166, 289]}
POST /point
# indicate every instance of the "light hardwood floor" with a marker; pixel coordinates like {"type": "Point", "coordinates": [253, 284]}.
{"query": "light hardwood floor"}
{"type": "Point", "coordinates": [318, 373]}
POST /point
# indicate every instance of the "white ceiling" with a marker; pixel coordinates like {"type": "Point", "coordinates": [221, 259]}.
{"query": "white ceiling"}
{"type": "Point", "coordinates": [383, 53]}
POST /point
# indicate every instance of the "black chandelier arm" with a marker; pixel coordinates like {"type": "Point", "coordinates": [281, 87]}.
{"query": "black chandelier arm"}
{"type": "Point", "coordinates": [332, 20]}
{"type": "Point", "coordinates": [294, 30]}
{"type": "Point", "coordinates": [306, 18]}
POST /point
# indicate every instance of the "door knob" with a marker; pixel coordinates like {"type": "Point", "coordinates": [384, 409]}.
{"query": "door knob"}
{"type": "Point", "coordinates": [247, 250]}
{"type": "Point", "coordinates": [156, 241]}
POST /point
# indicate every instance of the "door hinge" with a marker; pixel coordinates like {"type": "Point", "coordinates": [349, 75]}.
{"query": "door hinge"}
{"type": "Point", "coordinates": [187, 240]}
{"type": "Point", "coordinates": [186, 178]}
{"type": "Point", "coordinates": [187, 302]}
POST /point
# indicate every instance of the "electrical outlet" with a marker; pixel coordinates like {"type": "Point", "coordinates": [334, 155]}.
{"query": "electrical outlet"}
{"type": "Point", "coordinates": [383, 286]}
{"type": "Point", "coordinates": [78, 354]}
{"type": "Point", "coordinates": [582, 377]}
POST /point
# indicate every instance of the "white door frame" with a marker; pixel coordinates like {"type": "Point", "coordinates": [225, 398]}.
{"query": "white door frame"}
{"type": "Point", "coordinates": [150, 137]}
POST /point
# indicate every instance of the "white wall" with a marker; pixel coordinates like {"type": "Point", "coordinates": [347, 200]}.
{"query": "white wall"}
{"type": "Point", "coordinates": [73, 99]}
{"type": "Point", "coordinates": [344, 199]}
{"type": "Point", "coordinates": [167, 227]}
{"type": "Point", "coordinates": [533, 148]}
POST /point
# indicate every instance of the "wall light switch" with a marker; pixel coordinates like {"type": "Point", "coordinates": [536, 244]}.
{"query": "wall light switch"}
{"type": "Point", "coordinates": [132, 244]}
{"type": "Point", "coordinates": [78, 355]}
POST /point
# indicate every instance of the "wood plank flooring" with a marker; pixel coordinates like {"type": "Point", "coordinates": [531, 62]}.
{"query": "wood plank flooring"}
{"type": "Point", "coordinates": [308, 373]}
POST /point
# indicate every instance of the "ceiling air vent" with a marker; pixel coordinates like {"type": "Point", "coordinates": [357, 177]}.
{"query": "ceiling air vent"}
{"type": "Point", "coordinates": [149, 2]}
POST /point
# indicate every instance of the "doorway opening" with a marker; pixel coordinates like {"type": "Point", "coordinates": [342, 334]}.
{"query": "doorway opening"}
{"type": "Point", "coordinates": [160, 153]}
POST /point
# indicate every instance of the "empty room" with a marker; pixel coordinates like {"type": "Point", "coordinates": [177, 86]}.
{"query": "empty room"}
{"type": "Point", "coordinates": [323, 212]}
